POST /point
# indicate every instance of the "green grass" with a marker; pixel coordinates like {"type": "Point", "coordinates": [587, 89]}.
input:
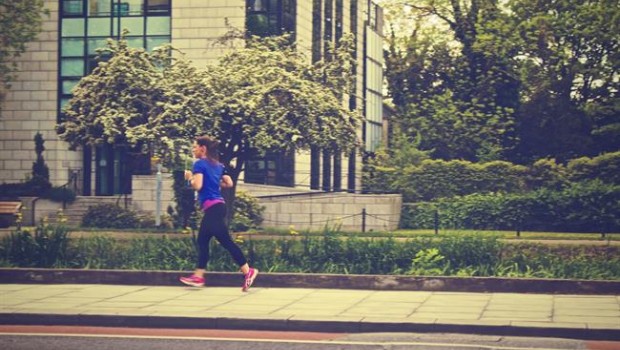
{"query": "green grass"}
{"type": "Point", "coordinates": [443, 233]}
{"type": "Point", "coordinates": [508, 235]}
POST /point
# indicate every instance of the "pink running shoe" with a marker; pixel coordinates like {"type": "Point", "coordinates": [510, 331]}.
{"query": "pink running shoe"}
{"type": "Point", "coordinates": [249, 279]}
{"type": "Point", "coordinates": [193, 281]}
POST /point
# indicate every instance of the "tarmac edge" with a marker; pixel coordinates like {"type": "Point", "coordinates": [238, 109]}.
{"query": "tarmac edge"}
{"type": "Point", "coordinates": [302, 325]}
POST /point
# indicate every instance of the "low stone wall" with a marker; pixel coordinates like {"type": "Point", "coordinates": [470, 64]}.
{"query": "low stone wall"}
{"type": "Point", "coordinates": [35, 209]}
{"type": "Point", "coordinates": [144, 196]}
{"type": "Point", "coordinates": [350, 212]}
{"type": "Point", "coordinates": [285, 207]}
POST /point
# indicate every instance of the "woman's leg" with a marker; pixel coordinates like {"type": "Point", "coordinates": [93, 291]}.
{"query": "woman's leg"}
{"type": "Point", "coordinates": [217, 213]}
{"type": "Point", "coordinates": [204, 237]}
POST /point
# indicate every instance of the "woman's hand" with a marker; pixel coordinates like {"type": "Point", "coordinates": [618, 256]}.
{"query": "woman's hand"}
{"type": "Point", "coordinates": [188, 174]}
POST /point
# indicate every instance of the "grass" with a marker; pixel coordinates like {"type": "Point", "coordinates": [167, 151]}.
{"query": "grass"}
{"type": "Point", "coordinates": [506, 235]}
{"type": "Point", "coordinates": [509, 235]}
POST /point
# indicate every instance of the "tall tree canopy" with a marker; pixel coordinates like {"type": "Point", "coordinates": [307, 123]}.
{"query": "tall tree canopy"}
{"type": "Point", "coordinates": [460, 98]}
{"type": "Point", "coordinates": [20, 23]}
{"type": "Point", "coordinates": [569, 59]}
{"type": "Point", "coordinates": [516, 79]}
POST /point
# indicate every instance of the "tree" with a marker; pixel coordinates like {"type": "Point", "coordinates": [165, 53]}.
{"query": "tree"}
{"type": "Point", "coordinates": [539, 78]}
{"type": "Point", "coordinates": [21, 23]}
{"type": "Point", "coordinates": [267, 97]}
{"type": "Point", "coordinates": [456, 94]}
{"type": "Point", "coordinates": [262, 97]}
{"type": "Point", "coordinates": [569, 60]}
{"type": "Point", "coordinates": [40, 172]}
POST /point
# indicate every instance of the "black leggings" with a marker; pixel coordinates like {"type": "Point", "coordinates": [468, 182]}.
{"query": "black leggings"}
{"type": "Point", "coordinates": [213, 225]}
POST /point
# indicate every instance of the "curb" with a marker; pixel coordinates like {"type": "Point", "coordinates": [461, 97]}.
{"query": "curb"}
{"type": "Point", "coordinates": [180, 322]}
{"type": "Point", "coordinates": [309, 280]}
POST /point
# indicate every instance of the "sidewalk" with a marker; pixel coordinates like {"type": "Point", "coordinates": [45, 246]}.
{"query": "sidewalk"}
{"type": "Point", "coordinates": [312, 309]}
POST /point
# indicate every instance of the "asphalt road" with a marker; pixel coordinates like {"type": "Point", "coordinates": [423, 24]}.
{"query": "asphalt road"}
{"type": "Point", "coordinates": [104, 338]}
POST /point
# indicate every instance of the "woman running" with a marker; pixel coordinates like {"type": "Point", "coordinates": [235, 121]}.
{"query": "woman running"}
{"type": "Point", "coordinates": [207, 177]}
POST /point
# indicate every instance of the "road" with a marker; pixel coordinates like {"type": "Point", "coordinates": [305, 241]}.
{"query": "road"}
{"type": "Point", "coordinates": [108, 338]}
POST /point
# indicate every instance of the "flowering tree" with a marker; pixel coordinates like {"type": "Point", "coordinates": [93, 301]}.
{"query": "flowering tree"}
{"type": "Point", "coordinates": [265, 96]}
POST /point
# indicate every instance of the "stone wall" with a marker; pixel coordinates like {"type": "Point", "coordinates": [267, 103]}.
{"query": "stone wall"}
{"type": "Point", "coordinates": [30, 107]}
{"type": "Point", "coordinates": [198, 25]}
{"type": "Point", "coordinates": [144, 194]}
{"type": "Point", "coordinates": [351, 212]}
{"type": "Point", "coordinates": [285, 207]}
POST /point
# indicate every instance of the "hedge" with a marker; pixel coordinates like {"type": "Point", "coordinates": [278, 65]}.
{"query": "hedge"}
{"type": "Point", "coordinates": [432, 179]}
{"type": "Point", "coordinates": [441, 179]}
{"type": "Point", "coordinates": [589, 206]}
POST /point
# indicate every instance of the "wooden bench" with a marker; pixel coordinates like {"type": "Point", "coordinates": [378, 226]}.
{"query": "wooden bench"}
{"type": "Point", "coordinates": [8, 212]}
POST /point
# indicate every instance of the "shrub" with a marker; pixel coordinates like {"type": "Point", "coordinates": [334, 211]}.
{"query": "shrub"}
{"type": "Point", "coordinates": [248, 213]}
{"type": "Point", "coordinates": [434, 179]}
{"type": "Point", "coordinates": [184, 214]}
{"type": "Point", "coordinates": [60, 194]}
{"type": "Point", "coordinates": [590, 206]}
{"type": "Point", "coordinates": [40, 171]}
{"type": "Point", "coordinates": [110, 216]}
{"type": "Point", "coordinates": [546, 173]}
{"type": "Point", "coordinates": [605, 167]}
{"type": "Point", "coordinates": [47, 247]}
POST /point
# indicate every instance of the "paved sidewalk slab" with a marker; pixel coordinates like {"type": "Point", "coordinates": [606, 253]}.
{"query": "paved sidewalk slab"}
{"type": "Point", "coordinates": [311, 309]}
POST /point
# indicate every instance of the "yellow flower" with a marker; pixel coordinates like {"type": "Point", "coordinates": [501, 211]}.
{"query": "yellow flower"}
{"type": "Point", "coordinates": [239, 239]}
{"type": "Point", "coordinates": [292, 231]}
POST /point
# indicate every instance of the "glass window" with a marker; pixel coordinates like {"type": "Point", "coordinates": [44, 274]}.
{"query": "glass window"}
{"type": "Point", "coordinates": [158, 25]}
{"type": "Point", "coordinates": [64, 102]}
{"type": "Point", "coordinates": [258, 24]}
{"type": "Point", "coordinates": [99, 26]}
{"type": "Point", "coordinates": [154, 41]}
{"type": "Point", "coordinates": [135, 42]}
{"type": "Point", "coordinates": [135, 25]}
{"type": "Point", "coordinates": [128, 8]}
{"type": "Point", "coordinates": [96, 43]}
{"type": "Point", "coordinates": [72, 27]}
{"type": "Point", "coordinates": [72, 47]}
{"type": "Point", "coordinates": [72, 8]}
{"type": "Point", "coordinates": [99, 7]}
{"type": "Point", "coordinates": [270, 17]}
{"type": "Point", "coordinates": [121, 9]}
{"type": "Point", "coordinates": [68, 85]}
{"type": "Point", "coordinates": [72, 67]}
{"type": "Point", "coordinates": [91, 63]}
{"type": "Point", "coordinates": [158, 7]}
{"type": "Point", "coordinates": [136, 7]}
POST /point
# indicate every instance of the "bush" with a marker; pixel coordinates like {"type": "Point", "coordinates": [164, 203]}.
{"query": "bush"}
{"type": "Point", "coordinates": [434, 179]}
{"type": "Point", "coordinates": [110, 216]}
{"type": "Point", "coordinates": [450, 255]}
{"type": "Point", "coordinates": [60, 194]}
{"type": "Point", "coordinates": [605, 167]}
{"type": "Point", "coordinates": [248, 213]}
{"type": "Point", "coordinates": [47, 247]}
{"type": "Point", "coordinates": [184, 214]}
{"type": "Point", "coordinates": [590, 206]}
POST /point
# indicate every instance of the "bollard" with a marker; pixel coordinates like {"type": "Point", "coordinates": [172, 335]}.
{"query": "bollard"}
{"type": "Point", "coordinates": [158, 197]}
{"type": "Point", "coordinates": [364, 220]}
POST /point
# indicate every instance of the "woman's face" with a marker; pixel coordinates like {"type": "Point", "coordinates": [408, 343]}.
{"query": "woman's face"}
{"type": "Point", "coordinates": [199, 151]}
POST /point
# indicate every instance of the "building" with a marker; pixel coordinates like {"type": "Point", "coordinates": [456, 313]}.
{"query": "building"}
{"type": "Point", "coordinates": [65, 51]}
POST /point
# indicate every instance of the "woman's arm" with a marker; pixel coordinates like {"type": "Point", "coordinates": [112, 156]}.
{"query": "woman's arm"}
{"type": "Point", "coordinates": [226, 181]}
{"type": "Point", "coordinates": [195, 180]}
